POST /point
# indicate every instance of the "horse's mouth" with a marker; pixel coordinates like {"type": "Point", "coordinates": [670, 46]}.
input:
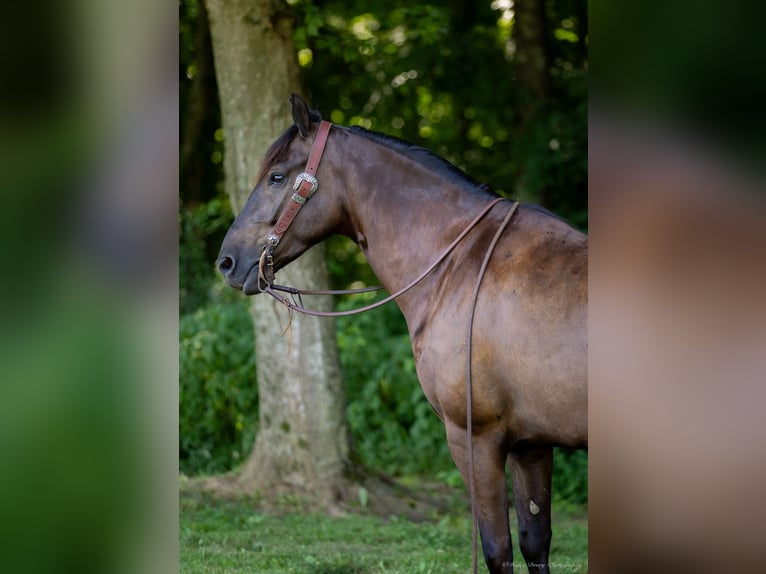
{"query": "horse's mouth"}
{"type": "Point", "coordinates": [253, 283]}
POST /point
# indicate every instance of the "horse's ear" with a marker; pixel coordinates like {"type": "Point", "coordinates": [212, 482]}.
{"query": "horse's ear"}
{"type": "Point", "coordinates": [301, 115]}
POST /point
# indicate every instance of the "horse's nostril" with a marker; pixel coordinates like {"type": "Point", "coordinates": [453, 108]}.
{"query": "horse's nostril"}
{"type": "Point", "coordinates": [226, 264]}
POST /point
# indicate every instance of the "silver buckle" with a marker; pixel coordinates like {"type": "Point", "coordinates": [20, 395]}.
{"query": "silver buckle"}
{"type": "Point", "coordinates": [272, 240]}
{"type": "Point", "coordinates": [299, 199]}
{"type": "Point", "coordinates": [306, 177]}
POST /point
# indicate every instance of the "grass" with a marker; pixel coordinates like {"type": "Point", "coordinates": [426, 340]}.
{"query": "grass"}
{"type": "Point", "coordinates": [219, 536]}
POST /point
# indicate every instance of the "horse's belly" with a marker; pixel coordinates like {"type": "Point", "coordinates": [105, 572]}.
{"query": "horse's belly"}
{"type": "Point", "coordinates": [536, 390]}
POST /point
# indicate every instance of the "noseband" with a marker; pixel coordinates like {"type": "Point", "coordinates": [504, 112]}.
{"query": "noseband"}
{"type": "Point", "coordinates": [305, 186]}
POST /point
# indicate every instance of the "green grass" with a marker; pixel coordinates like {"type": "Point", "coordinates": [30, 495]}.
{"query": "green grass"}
{"type": "Point", "coordinates": [224, 536]}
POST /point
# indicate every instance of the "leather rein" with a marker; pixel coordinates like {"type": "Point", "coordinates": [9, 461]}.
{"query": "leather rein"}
{"type": "Point", "coordinates": [304, 188]}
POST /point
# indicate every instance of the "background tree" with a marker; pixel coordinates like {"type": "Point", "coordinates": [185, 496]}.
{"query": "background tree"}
{"type": "Point", "coordinates": [302, 441]}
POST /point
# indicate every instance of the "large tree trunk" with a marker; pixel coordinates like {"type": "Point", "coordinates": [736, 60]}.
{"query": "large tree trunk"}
{"type": "Point", "coordinates": [302, 444]}
{"type": "Point", "coordinates": [531, 68]}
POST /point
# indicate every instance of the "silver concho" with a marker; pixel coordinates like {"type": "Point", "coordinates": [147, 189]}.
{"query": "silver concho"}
{"type": "Point", "coordinates": [306, 177]}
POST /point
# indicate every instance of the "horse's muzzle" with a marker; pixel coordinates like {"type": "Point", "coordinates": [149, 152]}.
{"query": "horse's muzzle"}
{"type": "Point", "coordinates": [237, 274]}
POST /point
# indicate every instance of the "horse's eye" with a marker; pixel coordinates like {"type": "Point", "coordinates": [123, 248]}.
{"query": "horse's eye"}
{"type": "Point", "coordinates": [276, 179]}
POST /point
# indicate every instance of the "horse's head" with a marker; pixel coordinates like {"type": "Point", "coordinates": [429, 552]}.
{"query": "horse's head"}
{"type": "Point", "coordinates": [278, 183]}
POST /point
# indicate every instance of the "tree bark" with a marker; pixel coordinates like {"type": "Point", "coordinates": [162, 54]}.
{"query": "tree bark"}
{"type": "Point", "coordinates": [302, 444]}
{"type": "Point", "coordinates": [531, 69]}
{"type": "Point", "coordinates": [531, 61]}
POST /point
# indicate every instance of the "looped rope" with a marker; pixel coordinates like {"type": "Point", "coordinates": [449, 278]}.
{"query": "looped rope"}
{"type": "Point", "coordinates": [295, 291]}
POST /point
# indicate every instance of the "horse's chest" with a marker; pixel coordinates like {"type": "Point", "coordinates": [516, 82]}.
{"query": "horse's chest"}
{"type": "Point", "coordinates": [441, 364]}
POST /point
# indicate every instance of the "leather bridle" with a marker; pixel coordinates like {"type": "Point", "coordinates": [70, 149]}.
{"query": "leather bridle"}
{"type": "Point", "coordinates": [304, 188]}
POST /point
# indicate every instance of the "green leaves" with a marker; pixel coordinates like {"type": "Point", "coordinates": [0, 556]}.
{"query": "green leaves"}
{"type": "Point", "coordinates": [218, 394]}
{"type": "Point", "coordinates": [202, 229]}
{"type": "Point", "coordinates": [570, 476]}
{"type": "Point", "coordinates": [444, 75]}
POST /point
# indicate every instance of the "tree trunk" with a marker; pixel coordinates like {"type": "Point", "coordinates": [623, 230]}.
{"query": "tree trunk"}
{"type": "Point", "coordinates": [531, 68]}
{"type": "Point", "coordinates": [302, 444]}
{"type": "Point", "coordinates": [531, 60]}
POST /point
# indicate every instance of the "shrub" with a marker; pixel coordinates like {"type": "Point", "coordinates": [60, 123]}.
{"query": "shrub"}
{"type": "Point", "coordinates": [218, 394]}
{"type": "Point", "coordinates": [202, 229]}
{"type": "Point", "coordinates": [570, 475]}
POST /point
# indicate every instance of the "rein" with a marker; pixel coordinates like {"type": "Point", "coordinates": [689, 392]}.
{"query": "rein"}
{"type": "Point", "coordinates": [469, 379]}
{"type": "Point", "coordinates": [293, 306]}
{"type": "Point", "coordinates": [305, 186]}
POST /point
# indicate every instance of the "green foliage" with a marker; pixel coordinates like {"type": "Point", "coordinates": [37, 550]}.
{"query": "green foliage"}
{"type": "Point", "coordinates": [398, 67]}
{"type": "Point", "coordinates": [202, 229]}
{"type": "Point", "coordinates": [570, 476]}
{"type": "Point", "coordinates": [218, 395]}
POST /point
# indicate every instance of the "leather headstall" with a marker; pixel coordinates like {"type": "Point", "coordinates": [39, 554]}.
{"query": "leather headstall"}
{"type": "Point", "coordinates": [305, 186]}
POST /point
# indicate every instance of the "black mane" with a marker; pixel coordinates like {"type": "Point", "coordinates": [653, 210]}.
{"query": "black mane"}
{"type": "Point", "coordinates": [425, 157]}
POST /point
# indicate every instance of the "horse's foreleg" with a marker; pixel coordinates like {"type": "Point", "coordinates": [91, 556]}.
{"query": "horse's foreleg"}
{"type": "Point", "coordinates": [491, 495]}
{"type": "Point", "coordinates": [531, 470]}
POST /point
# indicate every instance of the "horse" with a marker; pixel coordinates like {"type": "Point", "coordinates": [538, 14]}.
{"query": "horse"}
{"type": "Point", "coordinates": [401, 204]}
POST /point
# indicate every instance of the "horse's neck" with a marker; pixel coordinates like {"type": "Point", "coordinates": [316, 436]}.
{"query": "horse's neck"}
{"type": "Point", "coordinates": [406, 216]}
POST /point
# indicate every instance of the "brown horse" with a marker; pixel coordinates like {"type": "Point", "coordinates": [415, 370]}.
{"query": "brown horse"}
{"type": "Point", "coordinates": [402, 204]}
